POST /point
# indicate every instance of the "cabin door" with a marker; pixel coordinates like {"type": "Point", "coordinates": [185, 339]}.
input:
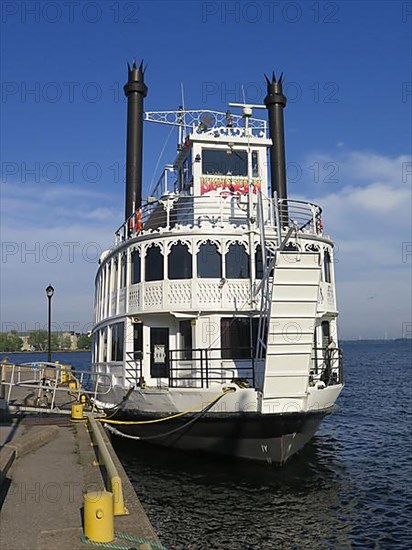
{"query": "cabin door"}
{"type": "Point", "coordinates": [325, 334]}
{"type": "Point", "coordinates": [159, 352]}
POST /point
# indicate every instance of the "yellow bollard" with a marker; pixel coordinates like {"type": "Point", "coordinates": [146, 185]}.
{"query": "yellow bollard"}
{"type": "Point", "coordinates": [98, 516]}
{"type": "Point", "coordinates": [73, 384]}
{"type": "Point", "coordinates": [77, 411]}
{"type": "Point", "coordinates": [64, 374]}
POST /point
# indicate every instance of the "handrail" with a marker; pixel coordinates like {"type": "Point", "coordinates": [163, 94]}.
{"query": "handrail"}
{"type": "Point", "coordinates": [201, 366]}
{"type": "Point", "coordinates": [50, 377]}
{"type": "Point", "coordinates": [218, 207]}
{"type": "Point", "coordinates": [114, 479]}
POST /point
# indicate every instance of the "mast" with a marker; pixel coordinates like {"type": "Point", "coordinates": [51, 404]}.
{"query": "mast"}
{"type": "Point", "coordinates": [275, 102]}
{"type": "Point", "coordinates": [135, 90]}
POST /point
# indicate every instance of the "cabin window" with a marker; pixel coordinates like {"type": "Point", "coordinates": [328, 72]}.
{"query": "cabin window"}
{"type": "Point", "coordinates": [179, 262]}
{"type": "Point", "coordinates": [258, 263]}
{"type": "Point", "coordinates": [237, 262]}
{"type": "Point", "coordinates": [117, 341]}
{"type": "Point", "coordinates": [136, 267]}
{"type": "Point", "coordinates": [327, 267]}
{"type": "Point", "coordinates": [103, 340]}
{"type": "Point", "coordinates": [137, 339]}
{"type": "Point", "coordinates": [96, 347]}
{"type": "Point", "coordinates": [154, 264]}
{"type": "Point", "coordinates": [114, 276]}
{"type": "Point", "coordinates": [123, 268]}
{"type": "Point", "coordinates": [209, 261]}
{"type": "Point", "coordinates": [185, 330]}
{"type": "Point", "coordinates": [238, 337]}
{"type": "Point", "coordinates": [255, 164]}
{"type": "Point", "coordinates": [224, 162]}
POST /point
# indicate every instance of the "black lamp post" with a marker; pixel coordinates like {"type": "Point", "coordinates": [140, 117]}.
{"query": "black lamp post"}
{"type": "Point", "coordinates": [49, 294]}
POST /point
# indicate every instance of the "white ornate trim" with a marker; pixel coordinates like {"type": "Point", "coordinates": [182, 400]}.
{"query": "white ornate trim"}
{"type": "Point", "coordinates": [216, 242]}
{"type": "Point", "coordinates": [228, 243]}
{"type": "Point", "coordinates": [185, 242]}
{"type": "Point", "coordinates": [149, 244]}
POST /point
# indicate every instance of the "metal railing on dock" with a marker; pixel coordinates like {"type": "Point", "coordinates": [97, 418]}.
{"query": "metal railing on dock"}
{"type": "Point", "coordinates": [49, 383]}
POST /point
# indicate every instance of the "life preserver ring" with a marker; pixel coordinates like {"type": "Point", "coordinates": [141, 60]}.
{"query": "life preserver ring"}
{"type": "Point", "coordinates": [131, 224]}
{"type": "Point", "coordinates": [319, 226]}
{"type": "Point", "coordinates": [138, 221]}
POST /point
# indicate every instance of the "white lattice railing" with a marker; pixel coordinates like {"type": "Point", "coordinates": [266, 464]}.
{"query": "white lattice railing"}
{"type": "Point", "coordinates": [188, 295]}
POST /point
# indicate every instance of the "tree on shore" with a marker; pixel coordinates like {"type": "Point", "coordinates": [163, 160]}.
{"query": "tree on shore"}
{"type": "Point", "coordinates": [65, 342]}
{"type": "Point", "coordinates": [38, 339]}
{"type": "Point", "coordinates": [10, 341]}
{"type": "Point", "coordinates": [84, 341]}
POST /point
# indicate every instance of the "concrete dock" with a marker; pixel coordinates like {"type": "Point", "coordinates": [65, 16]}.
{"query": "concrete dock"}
{"type": "Point", "coordinates": [47, 464]}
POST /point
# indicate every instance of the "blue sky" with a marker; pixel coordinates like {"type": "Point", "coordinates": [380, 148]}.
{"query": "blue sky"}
{"type": "Point", "coordinates": [348, 133]}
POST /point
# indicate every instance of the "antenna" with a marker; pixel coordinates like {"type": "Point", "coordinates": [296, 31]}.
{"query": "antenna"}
{"type": "Point", "coordinates": [243, 93]}
{"type": "Point", "coordinates": [182, 135]}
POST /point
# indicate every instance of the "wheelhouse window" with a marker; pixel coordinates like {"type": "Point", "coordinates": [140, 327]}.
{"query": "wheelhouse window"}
{"type": "Point", "coordinates": [179, 262]}
{"type": "Point", "coordinates": [209, 261]}
{"type": "Point", "coordinates": [154, 264]}
{"type": "Point", "coordinates": [117, 341]}
{"type": "Point", "coordinates": [327, 267]}
{"type": "Point", "coordinates": [237, 262]}
{"type": "Point", "coordinates": [238, 337]}
{"type": "Point", "coordinates": [136, 267]}
{"type": "Point", "coordinates": [224, 162]}
{"type": "Point", "coordinates": [186, 175]}
{"type": "Point", "coordinates": [185, 330]}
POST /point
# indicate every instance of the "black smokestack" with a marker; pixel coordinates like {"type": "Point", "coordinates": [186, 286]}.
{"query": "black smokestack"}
{"type": "Point", "coordinates": [135, 90]}
{"type": "Point", "coordinates": [275, 102]}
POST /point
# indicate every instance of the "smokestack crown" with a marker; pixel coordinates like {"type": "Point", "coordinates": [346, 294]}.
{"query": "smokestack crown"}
{"type": "Point", "coordinates": [135, 82]}
{"type": "Point", "coordinates": [275, 91]}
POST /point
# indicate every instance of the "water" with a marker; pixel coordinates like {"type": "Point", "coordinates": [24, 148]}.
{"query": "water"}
{"type": "Point", "coordinates": [80, 360]}
{"type": "Point", "coordinates": [349, 488]}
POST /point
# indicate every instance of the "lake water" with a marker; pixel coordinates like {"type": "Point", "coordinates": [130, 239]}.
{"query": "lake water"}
{"type": "Point", "coordinates": [349, 488]}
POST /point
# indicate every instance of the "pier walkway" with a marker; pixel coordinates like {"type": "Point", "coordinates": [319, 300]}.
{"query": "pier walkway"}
{"type": "Point", "coordinates": [47, 463]}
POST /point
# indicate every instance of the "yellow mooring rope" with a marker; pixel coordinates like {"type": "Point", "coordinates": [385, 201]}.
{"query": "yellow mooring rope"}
{"type": "Point", "coordinates": [130, 422]}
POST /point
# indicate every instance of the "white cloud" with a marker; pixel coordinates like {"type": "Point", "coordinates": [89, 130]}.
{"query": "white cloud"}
{"type": "Point", "coordinates": [53, 234]}
{"type": "Point", "coordinates": [368, 214]}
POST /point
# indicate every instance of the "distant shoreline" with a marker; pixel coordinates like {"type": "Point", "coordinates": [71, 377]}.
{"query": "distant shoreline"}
{"type": "Point", "coordinates": [56, 351]}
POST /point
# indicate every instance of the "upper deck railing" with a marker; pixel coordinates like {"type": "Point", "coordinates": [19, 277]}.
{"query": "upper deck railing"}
{"type": "Point", "coordinates": [203, 119]}
{"type": "Point", "coordinates": [217, 210]}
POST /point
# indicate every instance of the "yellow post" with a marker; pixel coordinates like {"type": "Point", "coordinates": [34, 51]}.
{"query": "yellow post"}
{"type": "Point", "coordinates": [98, 516]}
{"type": "Point", "coordinates": [119, 509]}
{"type": "Point", "coordinates": [77, 411]}
{"type": "Point", "coordinates": [73, 384]}
{"type": "Point", "coordinates": [64, 374]}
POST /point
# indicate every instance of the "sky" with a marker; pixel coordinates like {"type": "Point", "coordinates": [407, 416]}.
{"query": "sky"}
{"type": "Point", "coordinates": [348, 80]}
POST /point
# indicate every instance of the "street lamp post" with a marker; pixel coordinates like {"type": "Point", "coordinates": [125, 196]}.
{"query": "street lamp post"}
{"type": "Point", "coordinates": [49, 294]}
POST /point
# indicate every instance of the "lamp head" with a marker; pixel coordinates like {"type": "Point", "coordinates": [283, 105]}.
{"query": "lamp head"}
{"type": "Point", "coordinates": [49, 291]}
